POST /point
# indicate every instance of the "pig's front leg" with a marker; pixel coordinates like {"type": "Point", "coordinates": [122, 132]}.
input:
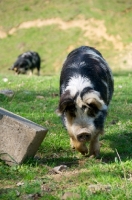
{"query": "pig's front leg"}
{"type": "Point", "coordinates": [81, 147]}
{"type": "Point", "coordinates": [94, 148]}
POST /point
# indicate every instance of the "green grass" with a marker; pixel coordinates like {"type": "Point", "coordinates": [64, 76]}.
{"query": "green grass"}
{"type": "Point", "coordinates": [109, 175]}
{"type": "Point", "coordinates": [52, 48]}
{"type": "Point", "coordinates": [110, 11]}
{"type": "Point", "coordinates": [51, 42]}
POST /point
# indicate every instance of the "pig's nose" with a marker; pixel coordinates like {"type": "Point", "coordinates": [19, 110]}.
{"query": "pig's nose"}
{"type": "Point", "coordinates": [83, 137]}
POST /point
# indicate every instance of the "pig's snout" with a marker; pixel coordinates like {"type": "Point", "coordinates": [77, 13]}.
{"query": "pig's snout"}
{"type": "Point", "coordinates": [84, 136]}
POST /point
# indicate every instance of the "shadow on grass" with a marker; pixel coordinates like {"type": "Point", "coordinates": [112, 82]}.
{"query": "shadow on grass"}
{"type": "Point", "coordinates": [54, 158]}
{"type": "Point", "coordinates": [69, 162]}
{"type": "Point", "coordinates": [119, 148]}
{"type": "Point", "coordinates": [121, 145]}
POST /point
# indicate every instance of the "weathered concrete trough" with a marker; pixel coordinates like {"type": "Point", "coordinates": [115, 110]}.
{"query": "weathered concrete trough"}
{"type": "Point", "coordinates": [19, 138]}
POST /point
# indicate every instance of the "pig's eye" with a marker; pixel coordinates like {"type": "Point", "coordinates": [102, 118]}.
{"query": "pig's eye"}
{"type": "Point", "coordinates": [94, 107]}
{"type": "Point", "coordinates": [93, 110]}
{"type": "Point", "coordinates": [71, 110]}
{"type": "Point", "coordinates": [84, 107]}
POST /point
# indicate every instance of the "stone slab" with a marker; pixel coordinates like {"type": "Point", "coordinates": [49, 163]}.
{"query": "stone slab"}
{"type": "Point", "coordinates": [19, 138]}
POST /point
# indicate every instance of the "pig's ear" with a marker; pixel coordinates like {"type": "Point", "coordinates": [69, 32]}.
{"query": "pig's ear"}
{"type": "Point", "coordinates": [65, 101]}
{"type": "Point", "coordinates": [95, 103]}
{"type": "Point", "coordinates": [94, 106]}
{"type": "Point", "coordinates": [94, 100]}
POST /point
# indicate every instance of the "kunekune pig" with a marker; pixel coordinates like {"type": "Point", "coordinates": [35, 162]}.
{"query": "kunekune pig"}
{"type": "Point", "coordinates": [86, 89]}
{"type": "Point", "coordinates": [27, 61]}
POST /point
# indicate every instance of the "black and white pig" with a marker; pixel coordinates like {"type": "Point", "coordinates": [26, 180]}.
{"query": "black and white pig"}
{"type": "Point", "coordinates": [27, 61]}
{"type": "Point", "coordinates": [86, 88]}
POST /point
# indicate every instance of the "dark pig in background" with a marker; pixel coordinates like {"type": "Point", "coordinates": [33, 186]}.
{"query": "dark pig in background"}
{"type": "Point", "coordinates": [27, 61]}
{"type": "Point", "coordinates": [86, 89]}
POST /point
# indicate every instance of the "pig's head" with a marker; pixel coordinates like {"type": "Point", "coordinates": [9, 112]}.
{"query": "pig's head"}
{"type": "Point", "coordinates": [80, 112]}
{"type": "Point", "coordinates": [20, 66]}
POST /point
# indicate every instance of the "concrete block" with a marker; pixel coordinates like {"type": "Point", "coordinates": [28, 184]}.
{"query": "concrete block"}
{"type": "Point", "coordinates": [19, 138]}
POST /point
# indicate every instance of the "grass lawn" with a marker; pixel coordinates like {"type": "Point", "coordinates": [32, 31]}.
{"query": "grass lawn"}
{"type": "Point", "coordinates": [36, 98]}
{"type": "Point", "coordinates": [108, 177]}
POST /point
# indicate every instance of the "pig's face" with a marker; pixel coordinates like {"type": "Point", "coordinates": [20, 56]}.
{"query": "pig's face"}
{"type": "Point", "coordinates": [80, 112]}
{"type": "Point", "coordinates": [20, 66]}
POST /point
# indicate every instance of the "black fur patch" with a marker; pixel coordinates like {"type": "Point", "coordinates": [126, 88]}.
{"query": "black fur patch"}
{"type": "Point", "coordinates": [94, 69]}
{"type": "Point", "coordinates": [93, 110]}
{"type": "Point", "coordinates": [99, 121]}
{"type": "Point", "coordinates": [85, 90]}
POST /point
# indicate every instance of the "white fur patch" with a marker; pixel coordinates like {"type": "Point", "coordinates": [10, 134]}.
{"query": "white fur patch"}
{"type": "Point", "coordinates": [80, 121]}
{"type": "Point", "coordinates": [77, 84]}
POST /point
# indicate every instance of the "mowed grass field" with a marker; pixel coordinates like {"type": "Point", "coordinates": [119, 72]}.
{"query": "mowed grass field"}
{"type": "Point", "coordinates": [108, 177]}
{"type": "Point", "coordinates": [105, 25]}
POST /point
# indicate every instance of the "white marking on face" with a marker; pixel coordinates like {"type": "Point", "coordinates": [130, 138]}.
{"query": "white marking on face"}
{"type": "Point", "coordinates": [79, 102]}
{"type": "Point", "coordinates": [77, 84]}
{"type": "Point", "coordinates": [82, 119]}
{"type": "Point", "coordinates": [80, 122]}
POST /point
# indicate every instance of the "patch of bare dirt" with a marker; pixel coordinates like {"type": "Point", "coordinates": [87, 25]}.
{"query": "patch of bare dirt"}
{"type": "Point", "coordinates": [92, 28]}
{"type": "Point", "coordinates": [124, 58]}
{"type": "Point", "coordinates": [68, 174]}
{"type": "Point", "coordinates": [3, 34]}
